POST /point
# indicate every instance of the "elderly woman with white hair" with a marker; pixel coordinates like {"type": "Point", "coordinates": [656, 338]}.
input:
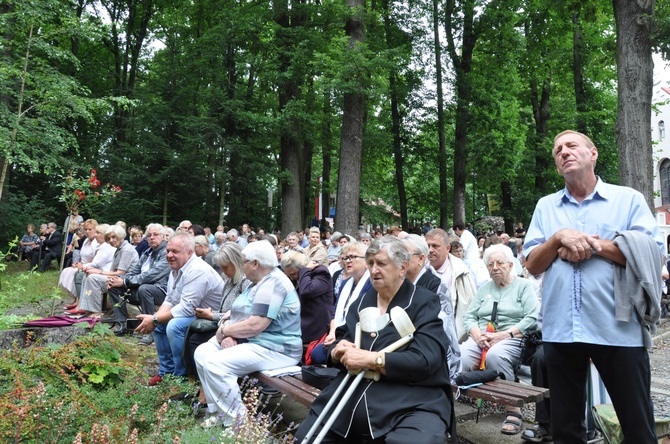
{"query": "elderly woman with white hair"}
{"type": "Point", "coordinates": [409, 399]}
{"type": "Point", "coordinates": [95, 282]}
{"type": "Point", "coordinates": [502, 311]}
{"type": "Point", "coordinates": [263, 333]}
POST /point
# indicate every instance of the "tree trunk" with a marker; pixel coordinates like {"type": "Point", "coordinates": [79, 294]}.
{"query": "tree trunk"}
{"type": "Point", "coordinates": [635, 78]}
{"type": "Point", "coordinates": [308, 154]}
{"type": "Point", "coordinates": [442, 153]}
{"type": "Point", "coordinates": [395, 126]}
{"type": "Point", "coordinates": [581, 101]}
{"type": "Point", "coordinates": [540, 103]}
{"type": "Point", "coordinates": [327, 149]}
{"type": "Point", "coordinates": [507, 210]}
{"type": "Point", "coordinates": [19, 114]}
{"type": "Point", "coordinates": [463, 67]}
{"type": "Point", "coordinates": [290, 145]}
{"type": "Point", "coordinates": [351, 140]}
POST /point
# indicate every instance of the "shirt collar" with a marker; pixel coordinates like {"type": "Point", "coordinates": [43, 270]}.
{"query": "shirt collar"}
{"type": "Point", "coordinates": [599, 192]}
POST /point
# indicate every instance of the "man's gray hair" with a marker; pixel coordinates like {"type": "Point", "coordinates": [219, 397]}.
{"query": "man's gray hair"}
{"type": "Point", "coordinates": [261, 251]}
{"type": "Point", "coordinates": [219, 235]}
{"type": "Point", "coordinates": [498, 248]}
{"type": "Point", "coordinates": [439, 232]}
{"type": "Point", "coordinates": [417, 243]}
{"type": "Point", "coordinates": [233, 232]}
{"type": "Point", "coordinates": [185, 239]}
{"type": "Point", "coordinates": [155, 227]}
{"type": "Point", "coordinates": [364, 235]}
{"type": "Point", "coordinates": [52, 225]}
{"type": "Point", "coordinates": [201, 240]}
{"type": "Point", "coordinates": [395, 248]}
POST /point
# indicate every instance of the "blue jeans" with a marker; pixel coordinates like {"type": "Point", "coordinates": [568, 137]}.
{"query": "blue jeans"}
{"type": "Point", "coordinates": [169, 339]}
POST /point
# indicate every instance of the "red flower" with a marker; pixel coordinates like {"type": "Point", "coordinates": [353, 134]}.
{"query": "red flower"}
{"type": "Point", "coordinates": [117, 189]}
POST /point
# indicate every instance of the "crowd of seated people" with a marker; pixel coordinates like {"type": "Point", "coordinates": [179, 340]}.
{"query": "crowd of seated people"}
{"type": "Point", "coordinates": [324, 273]}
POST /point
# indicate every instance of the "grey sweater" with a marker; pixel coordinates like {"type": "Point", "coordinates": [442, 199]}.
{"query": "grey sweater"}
{"type": "Point", "coordinates": [638, 285]}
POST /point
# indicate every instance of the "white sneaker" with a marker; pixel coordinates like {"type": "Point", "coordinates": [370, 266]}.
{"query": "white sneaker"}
{"type": "Point", "coordinates": [211, 421]}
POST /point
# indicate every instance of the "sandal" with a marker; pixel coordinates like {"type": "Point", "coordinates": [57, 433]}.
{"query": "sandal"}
{"type": "Point", "coordinates": [514, 421]}
{"type": "Point", "coordinates": [536, 433]}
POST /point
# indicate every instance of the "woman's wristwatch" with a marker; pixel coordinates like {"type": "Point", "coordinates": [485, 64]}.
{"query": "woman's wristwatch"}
{"type": "Point", "coordinates": [379, 362]}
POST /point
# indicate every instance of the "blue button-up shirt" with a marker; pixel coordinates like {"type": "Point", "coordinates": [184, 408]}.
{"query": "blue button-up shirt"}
{"type": "Point", "coordinates": [578, 298]}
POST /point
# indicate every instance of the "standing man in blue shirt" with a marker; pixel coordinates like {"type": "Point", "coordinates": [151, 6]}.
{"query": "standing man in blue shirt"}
{"type": "Point", "coordinates": [570, 238]}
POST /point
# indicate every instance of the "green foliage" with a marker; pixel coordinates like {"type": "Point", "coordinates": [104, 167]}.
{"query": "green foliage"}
{"type": "Point", "coordinates": [19, 210]}
{"type": "Point", "coordinates": [47, 398]}
{"type": "Point", "coordinates": [194, 127]}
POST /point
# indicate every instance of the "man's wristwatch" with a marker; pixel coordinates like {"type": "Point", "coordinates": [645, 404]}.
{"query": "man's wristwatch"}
{"type": "Point", "coordinates": [379, 362]}
{"type": "Point", "coordinates": [511, 334]}
{"type": "Point", "coordinates": [156, 321]}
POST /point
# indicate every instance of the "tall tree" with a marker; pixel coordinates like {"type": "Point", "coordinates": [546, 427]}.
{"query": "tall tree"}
{"type": "Point", "coordinates": [351, 145]}
{"type": "Point", "coordinates": [398, 156]}
{"type": "Point", "coordinates": [441, 139]}
{"type": "Point", "coordinates": [291, 155]}
{"type": "Point", "coordinates": [634, 21]}
{"type": "Point", "coordinates": [461, 17]}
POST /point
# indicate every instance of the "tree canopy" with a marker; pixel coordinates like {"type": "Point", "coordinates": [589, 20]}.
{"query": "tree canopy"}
{"type": "Point", "coordinates": [229, 112]}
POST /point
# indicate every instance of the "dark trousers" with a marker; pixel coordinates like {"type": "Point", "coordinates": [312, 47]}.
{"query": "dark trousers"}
{"type": "Point", "coordinates": [415, 427]}
{"type": "Point", "coordinates": [47, 257]}
{"type": "Point", "coordinates": [192, 341]}
{"type": "Point", "coordinates": [539, 378]}
{"type": "Point", "coordinates": [35, 256]}
{"type": "Point", "coordinates": [147, 296]}
{"type": "Point", "coordinates": [627, 377]}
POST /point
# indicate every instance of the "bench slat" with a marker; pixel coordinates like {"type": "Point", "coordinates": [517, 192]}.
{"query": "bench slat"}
{"type": "Point", "coordinates": [506, 392]}
{"type": "Point", "coordinates": [290, 386]}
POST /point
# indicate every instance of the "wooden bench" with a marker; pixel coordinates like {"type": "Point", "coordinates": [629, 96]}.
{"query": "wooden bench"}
{"type": "Point", "coordinates": [506, 392]}
{"type": "Point", "coordinates": [290, 385]}
{"type": "Point", "coordinates": [498, 391]}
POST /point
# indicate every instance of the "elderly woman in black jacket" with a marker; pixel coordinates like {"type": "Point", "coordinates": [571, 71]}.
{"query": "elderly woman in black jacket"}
{"type": "Point", "coordinates": [412, 400]}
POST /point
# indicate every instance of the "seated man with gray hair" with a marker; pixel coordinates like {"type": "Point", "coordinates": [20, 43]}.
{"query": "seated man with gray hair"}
{"type": "Point", "coordinates": [145, 283]}
{"type": "Point", "coordinates": [234, 236]}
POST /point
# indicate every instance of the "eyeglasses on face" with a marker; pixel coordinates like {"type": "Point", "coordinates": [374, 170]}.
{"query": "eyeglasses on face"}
{"type": "Point", "coordinates": [497, 264]}
{"type": "Point", "coordinates": [351, 258]}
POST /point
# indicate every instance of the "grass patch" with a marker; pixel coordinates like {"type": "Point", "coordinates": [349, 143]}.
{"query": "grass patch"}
{"type": "Point", "coordinates": [26, 295]}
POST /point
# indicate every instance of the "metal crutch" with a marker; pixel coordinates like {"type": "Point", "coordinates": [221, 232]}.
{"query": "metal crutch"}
{"type": "Point", "coordinates": [333, 399]}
